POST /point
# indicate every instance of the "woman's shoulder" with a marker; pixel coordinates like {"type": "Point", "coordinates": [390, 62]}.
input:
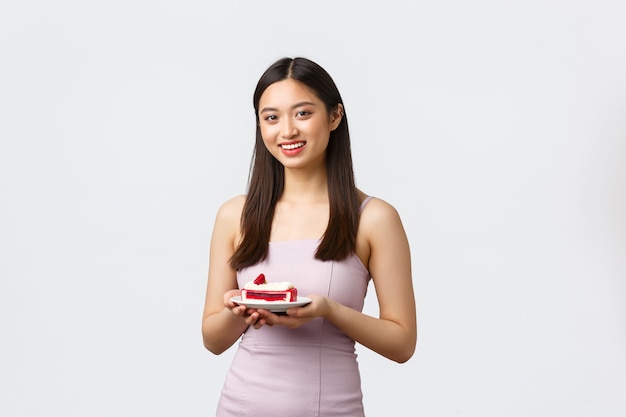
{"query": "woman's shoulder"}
{"type": "Point", "coordinates": [230, 211]}
{"type": "Point", "coordinates": [377, 214]}
{"type": "Point", "coordinates": [375, 206]}
{"type": "Point", "coordinates": [234, 203]}
{"type": "Point", "coordinates": [227, 226]}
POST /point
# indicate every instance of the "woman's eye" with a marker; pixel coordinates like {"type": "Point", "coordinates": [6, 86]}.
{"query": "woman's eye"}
{"type": "Point", "coordinates": [302, 113]}
{"type": "Point", "coordinates": [271, 117]}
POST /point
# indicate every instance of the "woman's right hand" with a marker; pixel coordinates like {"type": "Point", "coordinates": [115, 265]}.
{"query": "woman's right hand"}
{"type": "Point", "coordinates": [251, 316]}
{"type": "Point", "coordinates": [227, 298]}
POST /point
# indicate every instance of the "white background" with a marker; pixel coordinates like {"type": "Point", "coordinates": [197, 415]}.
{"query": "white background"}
{"type": "Point", "coordinates": [496, 128]}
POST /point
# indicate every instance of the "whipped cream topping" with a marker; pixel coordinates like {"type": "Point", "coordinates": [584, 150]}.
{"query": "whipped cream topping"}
{"type": "Point", "coordinates": [272, 286]}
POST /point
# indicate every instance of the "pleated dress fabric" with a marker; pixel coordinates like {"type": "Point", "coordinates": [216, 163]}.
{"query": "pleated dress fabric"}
{"type": "Point", "coordinates": [311, 371]}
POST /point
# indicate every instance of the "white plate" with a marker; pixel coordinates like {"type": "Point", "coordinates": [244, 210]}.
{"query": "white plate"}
{"type": "Point", "coordinates": [273, 306]}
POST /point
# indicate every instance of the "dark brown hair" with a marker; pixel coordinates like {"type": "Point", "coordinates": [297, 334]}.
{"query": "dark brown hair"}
{"type": "Point", "coordinates": [266, 179]}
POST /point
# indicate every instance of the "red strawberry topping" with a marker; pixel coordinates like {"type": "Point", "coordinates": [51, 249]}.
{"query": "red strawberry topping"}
{"type": "Point", "coordinates": [260, 279]}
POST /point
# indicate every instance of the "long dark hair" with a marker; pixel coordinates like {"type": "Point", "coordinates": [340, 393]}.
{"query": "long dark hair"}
{"type": "Point", "coordinates": [266, 179]}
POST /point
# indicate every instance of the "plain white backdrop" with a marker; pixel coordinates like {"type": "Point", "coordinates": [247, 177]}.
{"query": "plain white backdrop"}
{"type": "Point", "coordinates": [496, 129]}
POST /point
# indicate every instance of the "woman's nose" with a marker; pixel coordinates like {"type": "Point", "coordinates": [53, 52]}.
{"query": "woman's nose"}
{"type": "Point", "coordinates": [288, 129]}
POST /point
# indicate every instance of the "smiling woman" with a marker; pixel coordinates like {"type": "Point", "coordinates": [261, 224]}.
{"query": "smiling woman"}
{"type": "Point", "coordinates": [304, 221]}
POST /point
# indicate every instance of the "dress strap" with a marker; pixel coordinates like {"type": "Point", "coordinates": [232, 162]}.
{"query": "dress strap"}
{"type": "Point", "coordinates": [367, 199]}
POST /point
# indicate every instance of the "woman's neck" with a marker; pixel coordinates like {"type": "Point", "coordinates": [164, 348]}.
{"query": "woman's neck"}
{"type": "Point", "coordinates": [305, 186]}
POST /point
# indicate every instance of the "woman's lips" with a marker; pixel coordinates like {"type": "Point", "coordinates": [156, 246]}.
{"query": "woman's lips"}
{"type": "Point", "coordinates": [292, 145]}
{"type": "Point", "coordinates": [292, 148]}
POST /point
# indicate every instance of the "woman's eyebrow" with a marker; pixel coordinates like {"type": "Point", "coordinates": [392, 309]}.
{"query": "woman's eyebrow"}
{"type": "Point", "coordinates": [300, 104]}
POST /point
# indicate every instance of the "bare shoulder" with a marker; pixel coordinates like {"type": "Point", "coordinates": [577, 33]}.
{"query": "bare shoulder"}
{"type": "Point", "coordinates": [231, 209]}
{"type": "Point", "coordinates": [378, 213]}
{"type": "Point", "coordinates": [380, 220]}
{"type": "Point", "coordinates": [228, 219]}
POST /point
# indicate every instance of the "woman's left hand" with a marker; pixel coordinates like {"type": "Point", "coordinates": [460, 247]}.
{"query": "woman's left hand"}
{"type": "Point", "coordinates": [296, 316]}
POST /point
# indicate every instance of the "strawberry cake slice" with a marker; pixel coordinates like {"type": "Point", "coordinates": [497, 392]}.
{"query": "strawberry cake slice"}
{"type": "Point", "coordinates": [261, 290]}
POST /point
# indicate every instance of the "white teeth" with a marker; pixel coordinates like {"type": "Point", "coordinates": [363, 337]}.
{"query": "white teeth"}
{"type": "Point", "coordinates": [293, 146]}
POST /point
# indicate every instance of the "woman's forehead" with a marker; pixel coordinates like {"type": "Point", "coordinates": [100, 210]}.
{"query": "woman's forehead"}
{"type": "Point", "coordinates": [286, 93]}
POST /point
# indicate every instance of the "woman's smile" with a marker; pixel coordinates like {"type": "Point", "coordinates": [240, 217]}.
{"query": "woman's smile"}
{"type": "Point", "coordinates": [292, 148]}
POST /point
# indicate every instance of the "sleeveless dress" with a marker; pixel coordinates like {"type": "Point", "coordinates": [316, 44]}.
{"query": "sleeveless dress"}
{"type": "Point", "coordinates": [311, 371]}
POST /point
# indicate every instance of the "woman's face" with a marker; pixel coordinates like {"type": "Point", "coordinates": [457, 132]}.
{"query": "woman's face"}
{"type": "Point", "coordinates": [295, 124]}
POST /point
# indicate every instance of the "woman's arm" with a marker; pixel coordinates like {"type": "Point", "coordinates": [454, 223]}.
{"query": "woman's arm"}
{"type": "Point", "coordinates": [223, 322]}
{"type": "Point", "coordinates": [394, 333]}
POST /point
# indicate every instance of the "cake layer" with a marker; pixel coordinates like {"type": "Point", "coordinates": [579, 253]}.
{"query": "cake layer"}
{"type": "Point", "coordinates": [289, 295]}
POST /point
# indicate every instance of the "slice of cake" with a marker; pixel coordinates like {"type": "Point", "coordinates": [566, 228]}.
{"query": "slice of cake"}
{"type": "Point", "coordinates": [260, 289]}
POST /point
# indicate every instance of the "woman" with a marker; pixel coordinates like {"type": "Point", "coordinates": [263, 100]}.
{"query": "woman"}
{"type": "Point", "coordinates": [303, 220]}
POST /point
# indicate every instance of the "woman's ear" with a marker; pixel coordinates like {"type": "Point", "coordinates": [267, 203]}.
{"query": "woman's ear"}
{"type": "Point", "coordinates": [336, 116]}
